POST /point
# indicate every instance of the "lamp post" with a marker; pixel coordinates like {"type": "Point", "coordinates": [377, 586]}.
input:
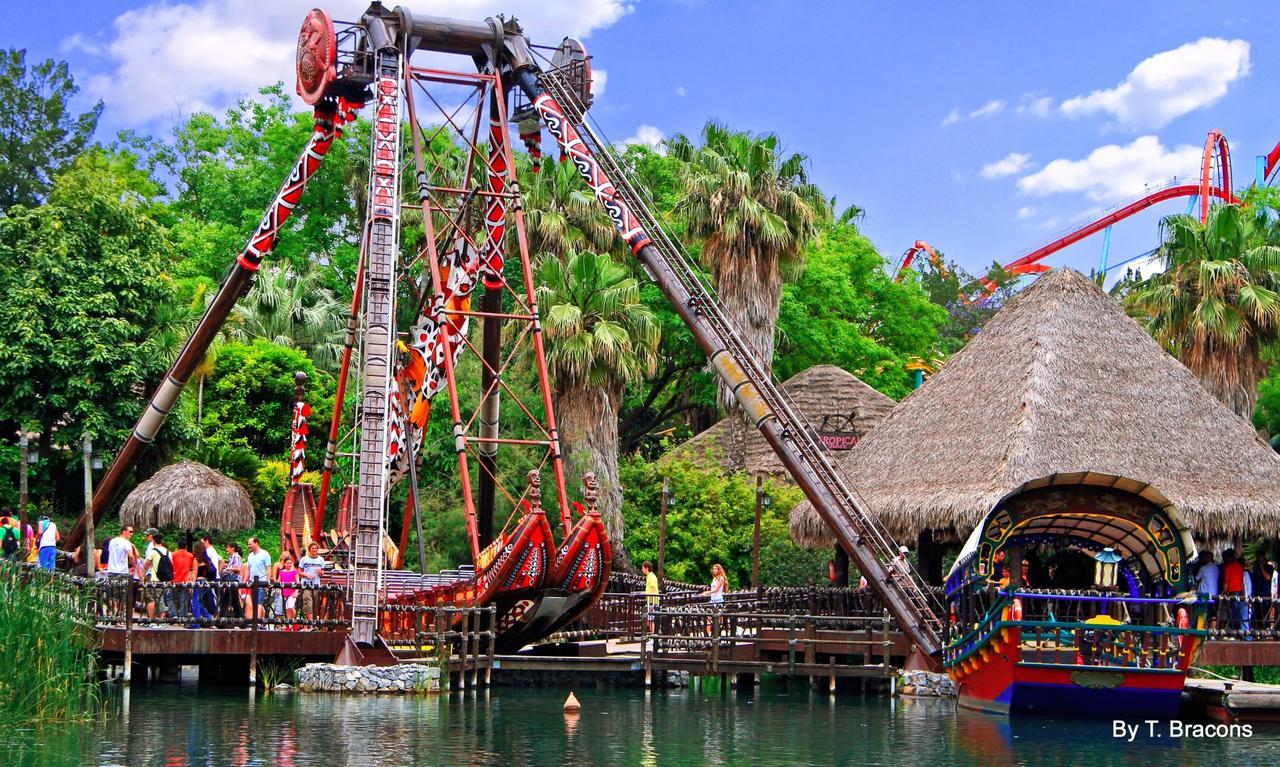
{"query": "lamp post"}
{"type": "Point", "coordinates": [90, 561]}
{"type": "Point", "coordinates": [667, 500]}
{"type": "Point", "coordinates": [28, 458]}
{"type": "Point", "coordinates": [763, 499]}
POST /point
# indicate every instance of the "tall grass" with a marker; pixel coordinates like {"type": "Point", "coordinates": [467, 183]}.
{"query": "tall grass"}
{"type": "Point", "coordinates": [48, 672]}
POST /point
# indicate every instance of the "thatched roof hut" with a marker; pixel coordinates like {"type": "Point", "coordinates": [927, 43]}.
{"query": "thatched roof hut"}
{"type": "Point", "coordinates": [190, 496]}
{"type": "Point", "coordinates": [1058, 383]}
{"type": "Point", "coordinates": [839, 405]}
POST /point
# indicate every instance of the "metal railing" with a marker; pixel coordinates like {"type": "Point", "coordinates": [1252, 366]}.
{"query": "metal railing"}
{"type": "Point", "coordinates": [259, 605]}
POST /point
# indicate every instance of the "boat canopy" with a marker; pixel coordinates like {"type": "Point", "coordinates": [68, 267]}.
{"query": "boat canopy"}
{"type": "Point", "coordinates": [1090, 511]}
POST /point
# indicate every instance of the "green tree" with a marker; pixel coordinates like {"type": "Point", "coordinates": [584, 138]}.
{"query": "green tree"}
{"type": "Point", "coordinates": [292, 308]}
{"type": "Point", "coordinates": [248, 400]}
{"type": "Point", "coordinates": [560, 213]}
{"type": "Point", "coordinates": [600, 338]}
{"type": "Point", "coordinates": [1216, 305]}
{"type": "Point", "coordinates": [85, 291]}
{"type": "Point", "coordinates": [846, 311]}
{"type": "Point", "coordinates": [39, 134]}
{"type": "Point", "coordinates": [755, 212]}
{"type": "Point", "coordinates": [231, 170]}
{"type": "Point", "coordinates": [711, 521]}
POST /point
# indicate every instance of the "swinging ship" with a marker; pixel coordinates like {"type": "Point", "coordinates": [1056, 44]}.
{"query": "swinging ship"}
{"type": "Point", "coordinates": [472, 263]}
{"type": "Point", "coordinates": [1117, 629]}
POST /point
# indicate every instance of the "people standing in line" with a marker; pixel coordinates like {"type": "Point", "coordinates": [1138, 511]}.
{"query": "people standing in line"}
{"type": "Point", "coordinates": [651, 595]}
{"type": "Point", "coordinates": [289, 594]}
{"type": "Point", "coordinates": [121, 557]}
{"type": "Point", "coordinates": [1208, 580]}
{"type": "Point", "coordinates": [10, 540]}
{"type": "Point", "coordinates": [719, 585]}
{"type": "Point", "coordinates": [204, 605]}
{"type": "Point", "coordinates": [232, 598]}
{"type": "Point", "coordinates": [184, 567]}
{"type": "Point", "coordinates": [259, 566]}
{"type": "Point", "coordinates": [1233, 575]}
{"type": "Point", "coordinates": [311, 565]}
{"type": "Point", "coordinates": [49, 538]}
{"type": "Point", "coordinates": [215, 559]}
{"type": "Point", "coordinates": [157, 571]}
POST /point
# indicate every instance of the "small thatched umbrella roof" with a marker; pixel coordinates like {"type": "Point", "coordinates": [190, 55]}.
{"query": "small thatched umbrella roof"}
{"type": "Point", "coordinates": [1061, 381]}
{"type": "Point", "coordinates": [823, 393]}
{"type": "Point", "coordinates": [190, 496]}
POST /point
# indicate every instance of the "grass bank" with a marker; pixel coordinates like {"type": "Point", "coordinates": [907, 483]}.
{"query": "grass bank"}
{"type": "Point", "coordinates": [46, 636]}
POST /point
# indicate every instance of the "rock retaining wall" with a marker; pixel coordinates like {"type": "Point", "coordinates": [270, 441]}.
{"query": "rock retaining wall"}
{"type": "Point", "coordinates": [399, 679]}
{"type": "Point", "coordinates": [927, 685]}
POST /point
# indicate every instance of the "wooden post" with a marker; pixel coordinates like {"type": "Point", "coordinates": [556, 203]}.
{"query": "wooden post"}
{"type": "Point", "coordinates": [662, 532]}
{"type": "Point", "coordinates": [884, 642]}
{"type": "Point", "coordinates": [755, 536]}
{"type": "Point", "coordinates": [253, 632]}
{"type": "Point", "coordinates": [128, 630]}
{"type": "Point", "coordinates": [493, 637]}
{"type": "Point", "coordinates": [842, 566]}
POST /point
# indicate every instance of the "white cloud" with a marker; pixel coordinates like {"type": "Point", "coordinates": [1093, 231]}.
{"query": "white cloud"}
{"type": "Point", "coordinates": [1169, 84]}
{"type": "Point", "coordinates": [1026, 212]}
{"type": "Point", "coordinates": [989, 109]}
{"type": "Point", "coordinates": [952, 118]}
{"type": "Point", "coordinates": [599, 79]}
{"type": "Point", "coordinates": [1015, 162]}
{"type": "Point", "coordinates": [164, 57]}
{"type": "Point", "coordinates": [1113, 172]}
{"type": "Point", "coordinates": [1035, 105]}
{"type": "Point", "coordinates": [647, 135]}
{"type": "Point", "coordinates": [680, 91]}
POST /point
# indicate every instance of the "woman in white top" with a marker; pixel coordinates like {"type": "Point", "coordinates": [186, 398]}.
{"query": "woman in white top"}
{"type": "Point", "coordinates": [719, 585]}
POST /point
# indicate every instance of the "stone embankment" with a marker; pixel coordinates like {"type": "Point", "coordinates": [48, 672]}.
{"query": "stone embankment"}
{"type": "Point", "coordinates": [926, 685]}
{"type": "Point", "coordinates": [400, 679]}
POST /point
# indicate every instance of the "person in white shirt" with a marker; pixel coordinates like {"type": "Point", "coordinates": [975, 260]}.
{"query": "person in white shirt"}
{"type": "Point", "coordinates": [214, 557]}
{"type": "Point", "coordinates": [121, 557]}
{"type": "Point", "coordinates": [311, 565]}
{"type": "Point", "coordinates": [259, 564]}
{"type": "Point", "coordinates": [49, 538]}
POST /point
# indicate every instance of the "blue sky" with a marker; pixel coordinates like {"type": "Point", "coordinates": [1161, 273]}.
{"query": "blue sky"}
{"type": "Point", "coordinates": [983, 128]}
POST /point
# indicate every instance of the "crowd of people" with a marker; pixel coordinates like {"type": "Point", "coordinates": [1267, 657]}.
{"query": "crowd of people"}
{"type": "Point", "coordinates": [195, 582]}
{"type": "Point", "coordinates": [22, 543]}
{"type": "Point", "coordinates": [1254, 592]}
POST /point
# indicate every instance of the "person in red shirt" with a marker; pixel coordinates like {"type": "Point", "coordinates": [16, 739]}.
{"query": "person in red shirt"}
{"type": "Point", "coordinates": [1233, 588]}
{"type": "Point", "coordinates": [184, 572]}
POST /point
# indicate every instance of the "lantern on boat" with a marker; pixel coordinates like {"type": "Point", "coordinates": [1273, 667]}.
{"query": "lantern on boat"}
{"type": "Point", "coordinates": [1106, 564]}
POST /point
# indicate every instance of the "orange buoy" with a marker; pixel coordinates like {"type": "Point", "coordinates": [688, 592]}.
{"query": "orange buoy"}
{"type": "Point", "coordinates": [571, 704]}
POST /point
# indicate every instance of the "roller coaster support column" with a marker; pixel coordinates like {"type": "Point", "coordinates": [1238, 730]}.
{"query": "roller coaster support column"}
{"type": "Point", "coordinates": [1261, 171]}
{"type": "Point", "coordinates": [1106, 251]}
{"type": "Point", "coordinates": [329, 116]}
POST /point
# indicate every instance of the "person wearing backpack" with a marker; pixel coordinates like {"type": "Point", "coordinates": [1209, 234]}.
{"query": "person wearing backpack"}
{"type": "Point", "coordinates": [10, 540]}
{"type": "Point", "coordinates": [159, 578]}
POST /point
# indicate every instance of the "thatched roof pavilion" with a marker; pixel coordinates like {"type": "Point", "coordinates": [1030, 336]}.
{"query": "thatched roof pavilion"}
{"type": "Point", "coordinates": [1058, 383]}
{"type": "Point", "coordinates": [190, 496]}
{"type": "Point", "coordinates": [839, 405]}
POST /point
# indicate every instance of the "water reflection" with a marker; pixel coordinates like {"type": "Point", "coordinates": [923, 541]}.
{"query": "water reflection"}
{"type": "Point", "coordinates": [510, 728]}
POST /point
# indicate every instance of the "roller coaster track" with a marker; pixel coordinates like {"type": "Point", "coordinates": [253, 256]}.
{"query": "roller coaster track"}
{"type": "Point", "coordinates": [779, 420]}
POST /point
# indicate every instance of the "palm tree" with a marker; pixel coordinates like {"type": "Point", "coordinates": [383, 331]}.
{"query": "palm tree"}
{"type": "Point", "coordinates": [1217, 304]}
{"type": "Point", "coordinates": [560, 212]}
{"type": "Point", "coordinates": [600, 337]}
{"type": "Point", "coordinates": [293, 309]}
{"type": "Point", "coordinates": [755, 211]}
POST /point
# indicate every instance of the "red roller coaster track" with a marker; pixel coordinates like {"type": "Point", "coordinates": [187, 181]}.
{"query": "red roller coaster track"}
{"type": "Point", "coordinates": [1217, 156]}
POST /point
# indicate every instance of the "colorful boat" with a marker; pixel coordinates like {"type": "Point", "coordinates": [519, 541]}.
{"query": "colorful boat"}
{"type": "Point", "coordinates": [1119, 627]}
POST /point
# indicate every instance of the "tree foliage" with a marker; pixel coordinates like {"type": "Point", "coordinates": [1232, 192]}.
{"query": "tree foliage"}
{"type": "Point", "coordinates": [84, 286]}
{"type": "Point", "coordinates": [846, 311]}
{"type": "Point", "coordinates": [710, 521]}
{"type": "Point", "coordinates": [1217, 303]}
{"type": "Point", "coordinates": [39, 134]}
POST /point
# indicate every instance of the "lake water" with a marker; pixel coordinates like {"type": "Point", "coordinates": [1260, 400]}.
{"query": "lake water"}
{"type": "Point", "coordinates": [172, 726]}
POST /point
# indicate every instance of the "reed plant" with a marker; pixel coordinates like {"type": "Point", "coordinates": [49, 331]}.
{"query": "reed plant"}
{"type": "Point", "coordinates": [46, 638]}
